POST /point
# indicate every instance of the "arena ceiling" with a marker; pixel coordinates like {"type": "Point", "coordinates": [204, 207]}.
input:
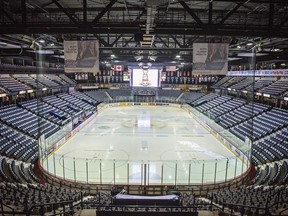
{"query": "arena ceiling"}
{"type": "Point", "coordinates": [169, 27]}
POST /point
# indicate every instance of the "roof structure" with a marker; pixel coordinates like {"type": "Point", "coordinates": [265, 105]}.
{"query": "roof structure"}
{"type": "Point", "coordinates": [148, 30]}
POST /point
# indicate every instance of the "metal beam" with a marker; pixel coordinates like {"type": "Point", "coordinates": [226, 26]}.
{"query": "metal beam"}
{"type": "Point", "coordinates": [190, 11]}
{"type": "Point", "coordinates": [176, 41]}
{"type": "Point", "coordinates": [24, 12]}
{"type": "Point", "coordinates": [116, 40]}
{"type": "Point", "coordinates": [127, 42]}
{"type": "Point", "coordinates": [85, 11]}
{"type": "Point", "coordinates": [162, 29]}
{"type": "Point", "coordinates": [102, 41]}
{"type": "Point", "coordinates": [222, 30]}
{"type": "Point", "coordinates": [140, 15]}
{"type": "Point", "coordinates": [162, 41]}
{"type": "Point", "coordinates": [65, 11]}
{"type": "Point", "coordinates": [101, 14]}
{"type": "Point", "coordinates": [148, 48]}
{"type": "Point", "coordinates": [210, 12]}
{"type": "Point", "coordinates": [271, 15]}
{"type": "Point", "coordinates": [47, 4]}
{"type": "Point", "coordinates": [284, 21]}
{"type": "Point", "coordinates": [254, 1]}
{"type": "Point", "coordinates": [231, 12]}
{"type": "Point", "coordinates": [7, 15]}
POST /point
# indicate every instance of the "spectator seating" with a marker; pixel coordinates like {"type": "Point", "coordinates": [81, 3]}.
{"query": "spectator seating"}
{"type": "Point", "coordinates": [226, 107]}
{"type": "Point", "coordinates": [222, 81]}
{"type": "Point", "coordinates": [261, 125]}
{"type": "Point", "coordinates": [37, 81]}
{"type": "Point", "coordinates": [260, 83]}
{"type": "Point", "coordinates": [232, 82]}
{"type": "Point", "coordinates": [204, 99]}
{"type": "Point", "coordinates": [28, 80]}
{"type": "Point", "coordinates": [27, 122]}
{"type": "Point", "coordinates": [45, 80]}
{"type": "Point", "coordinates": [67, 79]}
{"type": "Point", "coordinates": [240, 114]}
{"type": "Point", "coordinates": [169, 93]}
{"type": "Point", "coordinates": [256, 196]}
{"type": "Point", "coordinates": [2, 91]}
{"type": "Point", "coordinates": [85, 98]}
{"type": "Point", "coordinates": [16, 145]}
{"type": "Point", "coordinates": [17, 171]}
{"type": "Point", "coordinates": [285, 94]}
{"type": "Point", "coordinates": [206, 107]}
{"type": "Point", "coordinates": [63, 105]}
{"type": "Point", "coordinates": [243, 83]}
{"type": "Point", "coordinates": [271, 148]}
{"type": "Point", "coordinates": [277, 88]}
{"type": "Point", "coordinates": [11, 85]}
{"type": "Point", "coordinates": [119, 93]}
{"type": "Point", "coordinates": [99, 95]}
{"type": "Point", "coordinates": [46, 111]}
{"type": "Point", "coordinates": [56, 79]}
{"type": "Point", "coordinates": [191, 96]}
{"type": "Point", "coordinates": [80, 104]}
{"type": "Point", "coordinates": [23, 196]}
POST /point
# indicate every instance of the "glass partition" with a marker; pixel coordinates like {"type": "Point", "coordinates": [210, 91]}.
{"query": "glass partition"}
{"type": "Point", "coordinates": [165, 172]}
{"type": "Point", "coordinates": [193, 172]}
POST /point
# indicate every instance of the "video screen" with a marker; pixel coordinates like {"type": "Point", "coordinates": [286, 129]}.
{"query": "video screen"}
{"type": "Point", "coordinates": [145, 78]}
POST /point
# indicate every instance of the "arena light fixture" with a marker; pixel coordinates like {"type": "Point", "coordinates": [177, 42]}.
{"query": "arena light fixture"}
{"type": "Point", "coordinates": [276, 50]}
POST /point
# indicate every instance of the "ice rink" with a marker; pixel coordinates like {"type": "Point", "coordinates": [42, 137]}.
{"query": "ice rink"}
{"type": "Point", "coordinates": [144, 145]}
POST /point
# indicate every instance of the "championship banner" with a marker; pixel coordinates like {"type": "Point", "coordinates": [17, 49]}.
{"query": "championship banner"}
{"type": "Point", "coordinates": [210, 58]}
{"type": "Point", "coordinates": [81, 56]}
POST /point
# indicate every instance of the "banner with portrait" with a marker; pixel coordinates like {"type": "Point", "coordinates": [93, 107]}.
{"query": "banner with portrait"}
{"type": "Point", "coordinates": [81, 56]}
{"type": "Point", "coordinates": [210, 58]}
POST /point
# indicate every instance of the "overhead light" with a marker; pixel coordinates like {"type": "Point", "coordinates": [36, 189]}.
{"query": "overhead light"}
{"type": "Point", "coordinates": [52, 44]}
{"type": "Point", "coordinates": [238, 46]}
{"type": "Point", "coordinates": [112, 56]}
{"type": "Point", "coordinates": [276, 50]}
{"type": "Point", "coordinates": [178, 56]}
{"type": "Point", "coordinates": [249, 44]}
{"type": "Point", "coordinates": [42, 41]}
{"type": "Point", "coordinates": [3, 44]}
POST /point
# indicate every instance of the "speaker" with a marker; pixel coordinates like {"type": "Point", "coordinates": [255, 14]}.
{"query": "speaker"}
{"type": "Point", "coordinates": [138, 37]}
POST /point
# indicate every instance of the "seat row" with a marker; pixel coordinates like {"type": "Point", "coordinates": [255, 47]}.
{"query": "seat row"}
{"type": "Point", "coordinates": [271, 148]}
{"type": "Point", "coordinates": [261, 125]}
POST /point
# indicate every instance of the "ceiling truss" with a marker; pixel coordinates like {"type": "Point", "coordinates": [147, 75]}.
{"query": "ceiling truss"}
{"type": "Point", "coordinates": [175, 24]}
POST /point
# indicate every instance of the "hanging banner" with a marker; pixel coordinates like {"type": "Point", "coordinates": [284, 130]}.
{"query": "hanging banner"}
{"type": "Point", "coordinates": [118, 67]}
{"type": "Point", "coordinates": [276, 72]}
{"type": "Point", "coordinates": [81, 56]}
{"type": "Point", "coordinates": [210, 58]}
